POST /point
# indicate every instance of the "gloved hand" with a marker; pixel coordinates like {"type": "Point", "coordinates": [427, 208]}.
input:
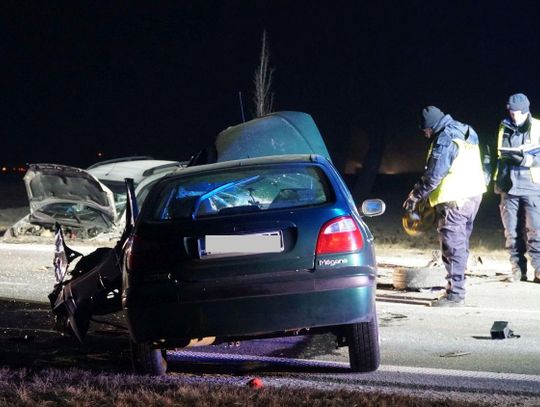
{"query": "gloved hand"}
{"type": "Point", "coordinates": [410, 203]}
{"type": "Point", "coordinates": [514, 158]}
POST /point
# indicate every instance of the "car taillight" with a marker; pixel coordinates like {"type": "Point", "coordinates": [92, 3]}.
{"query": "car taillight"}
{"type": "Point", "coordinates": [339, 235]}
{"type": "Point", "coordinates": [141, 254]}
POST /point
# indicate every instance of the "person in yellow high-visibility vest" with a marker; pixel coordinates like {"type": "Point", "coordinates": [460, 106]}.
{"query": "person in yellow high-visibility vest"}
{"type": "Point", "coordinates": [453, 183]}
{"type": "Point", "coordinates": [517, 180]}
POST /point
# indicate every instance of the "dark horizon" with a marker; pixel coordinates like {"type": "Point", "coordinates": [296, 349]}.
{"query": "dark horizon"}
{"type": "Point", "coordinates": [164, 80]}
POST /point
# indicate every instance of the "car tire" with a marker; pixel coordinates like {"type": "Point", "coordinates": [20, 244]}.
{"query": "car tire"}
{"type": "Point", "coordinates": [404, 278]}
{"type": "Point", "coordinates": [364, 349]}
{"type": "Point", "coordinates": [148, 360]}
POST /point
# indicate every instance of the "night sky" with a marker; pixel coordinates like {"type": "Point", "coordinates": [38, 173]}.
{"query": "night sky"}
{"type": "Point", "coordinates": [162, 80]}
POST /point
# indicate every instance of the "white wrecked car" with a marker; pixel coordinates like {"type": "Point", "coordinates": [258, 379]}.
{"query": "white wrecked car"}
{"type": "Point", "coordinates": [86, 203]}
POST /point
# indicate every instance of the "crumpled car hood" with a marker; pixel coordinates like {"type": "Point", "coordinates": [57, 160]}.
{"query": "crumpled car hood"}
{"type": "Point", "coordinates": [278, 133]}
{"type": "Point", "coordinates": [47, 184]}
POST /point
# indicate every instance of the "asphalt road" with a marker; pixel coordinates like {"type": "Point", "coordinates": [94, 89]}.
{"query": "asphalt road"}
{"type": "Point", "coordinates": [26, 271]}
{"type": "Point", "coordinates": [440, 351]}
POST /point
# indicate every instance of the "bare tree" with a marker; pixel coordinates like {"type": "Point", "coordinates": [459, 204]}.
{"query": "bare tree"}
{"type": "Point", "coordinates": [263, 97]}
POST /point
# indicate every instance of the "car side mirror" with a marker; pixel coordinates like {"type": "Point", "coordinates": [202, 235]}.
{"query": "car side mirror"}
{"type": "Point", "coordinates": [372, 207]}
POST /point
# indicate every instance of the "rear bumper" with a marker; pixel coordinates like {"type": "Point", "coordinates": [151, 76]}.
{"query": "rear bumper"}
{"type": "Point", "coordinates": [170, 311]}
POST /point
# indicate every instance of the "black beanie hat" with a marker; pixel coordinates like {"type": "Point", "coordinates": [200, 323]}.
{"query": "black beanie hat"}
{"type": "Point", "coordinates": [430, 117]}
{"type": "Point", "coordinates": [518, 102]}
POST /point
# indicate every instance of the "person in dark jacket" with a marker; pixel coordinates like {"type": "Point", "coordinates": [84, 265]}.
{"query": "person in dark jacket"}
{"type": "Point", "coordinates": [453, 183]}
{"type": "Point", "coordinates": [517, 180]}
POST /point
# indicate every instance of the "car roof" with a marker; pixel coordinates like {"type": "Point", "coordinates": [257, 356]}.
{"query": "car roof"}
{"type": "Point", "coordinates": [117, 170]}
{"type": "Point", "coordinates": [269, 160]}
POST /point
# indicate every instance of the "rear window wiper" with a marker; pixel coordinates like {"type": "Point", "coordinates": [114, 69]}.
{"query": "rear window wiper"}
{"type": "Point", "coordinates": [217, 190]}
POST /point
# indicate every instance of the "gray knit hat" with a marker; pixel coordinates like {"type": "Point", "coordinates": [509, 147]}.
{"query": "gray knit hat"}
{"type": "Point", "coordinates": [430, 117]}
{"type": "Point", "coordinates": [518, 102]}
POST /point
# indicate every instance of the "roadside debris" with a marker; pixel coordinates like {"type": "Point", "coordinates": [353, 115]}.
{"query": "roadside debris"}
{"type": "Point", "coordinates": [410, 297]}
{"type": "Point", "coordinates": [256, 383]}
{"type": "Point", "coordinates": [501, 330]}
{"type": "Point", "coordinates": [421, 278]}
{"type": "Point", "coordinates": [416, 278]}
{"type": "Point", "coordinates": [455, 354]}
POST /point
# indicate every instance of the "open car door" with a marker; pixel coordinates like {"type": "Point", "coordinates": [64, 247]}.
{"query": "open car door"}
{"type": "Point", "coordinates": [93, 286]}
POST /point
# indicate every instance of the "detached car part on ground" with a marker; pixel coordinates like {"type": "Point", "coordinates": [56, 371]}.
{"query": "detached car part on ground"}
{"type": "Point", "coordinates": [231, 251]}
{"type": "Point", "coordinates": [89, 202]}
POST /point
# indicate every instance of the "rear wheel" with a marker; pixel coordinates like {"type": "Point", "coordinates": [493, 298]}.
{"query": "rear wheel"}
{"type": "Point", "coordinates": [363, 341]}
{"type": "Point", "coordinates": [148, 360]}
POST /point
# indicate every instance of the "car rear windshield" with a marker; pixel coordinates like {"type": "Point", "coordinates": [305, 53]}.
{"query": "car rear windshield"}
{"type": "Point", "coordinates": [241, 190]}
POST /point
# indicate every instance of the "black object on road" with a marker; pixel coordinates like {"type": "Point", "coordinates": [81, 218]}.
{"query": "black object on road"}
{"type": "Point", "coordinates": [501, 330]}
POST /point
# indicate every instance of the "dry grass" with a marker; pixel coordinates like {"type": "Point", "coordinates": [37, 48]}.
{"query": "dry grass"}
{"type": "Point", "coordinates": [83, 388]}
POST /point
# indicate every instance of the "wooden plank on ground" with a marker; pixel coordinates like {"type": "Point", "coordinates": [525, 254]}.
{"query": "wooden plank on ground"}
{"type": "Point", "coordinates": [406, 301]}
{"type": "Point", "coordinates": [409, 297]}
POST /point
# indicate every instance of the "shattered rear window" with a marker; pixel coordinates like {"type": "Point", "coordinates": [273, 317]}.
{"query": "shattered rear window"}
{"type": "Point", "coordinates": [241, 190]}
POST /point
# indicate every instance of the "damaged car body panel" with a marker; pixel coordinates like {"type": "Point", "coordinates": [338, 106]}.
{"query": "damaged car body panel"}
{"type": "Point", "coordinates": [46, 182]}
{"type": "Point", "coordinates": [69, 196]}
{"type": "Point", "coordinates": [87, 203]}
{"type": "Point", "coordinates": [277, 133]}
{"type": "Point", "coordinates": [93, 286]}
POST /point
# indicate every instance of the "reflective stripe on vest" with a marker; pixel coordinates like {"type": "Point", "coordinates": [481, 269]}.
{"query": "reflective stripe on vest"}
{"type": "Point", "coordinates": [465, 178]}
{"type": "Point", "coordinates": [534, 134]}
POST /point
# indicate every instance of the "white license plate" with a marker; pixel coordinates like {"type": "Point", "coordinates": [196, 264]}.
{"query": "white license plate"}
{"type": "Point", "coordinates": [239, 245]}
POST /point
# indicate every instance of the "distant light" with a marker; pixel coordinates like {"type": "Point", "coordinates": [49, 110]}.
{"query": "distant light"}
{"type": "Point", "coordinates": [4, 169]}
{"type": "Point", "coordinates": [100, 154]}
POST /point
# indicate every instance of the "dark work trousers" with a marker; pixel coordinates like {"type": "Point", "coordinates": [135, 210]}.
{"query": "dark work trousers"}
{"type": "Point", "coordinates": [520, 216]}
{"type": "Point", "coordinates": [455, 225]}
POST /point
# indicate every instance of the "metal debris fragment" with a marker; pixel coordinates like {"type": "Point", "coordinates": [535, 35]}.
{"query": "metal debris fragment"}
{"type": "Point", "coordinates": [454, 354]}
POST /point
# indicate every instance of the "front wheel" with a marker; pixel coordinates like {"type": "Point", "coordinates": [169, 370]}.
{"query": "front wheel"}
{"type": "Point", "coordinates": [363, 341]}
{"type": "Point", "coordinates": [148, 360]}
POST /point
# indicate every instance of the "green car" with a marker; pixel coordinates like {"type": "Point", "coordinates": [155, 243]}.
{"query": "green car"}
{"type": "Point", "coordinates": [264, 245]}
